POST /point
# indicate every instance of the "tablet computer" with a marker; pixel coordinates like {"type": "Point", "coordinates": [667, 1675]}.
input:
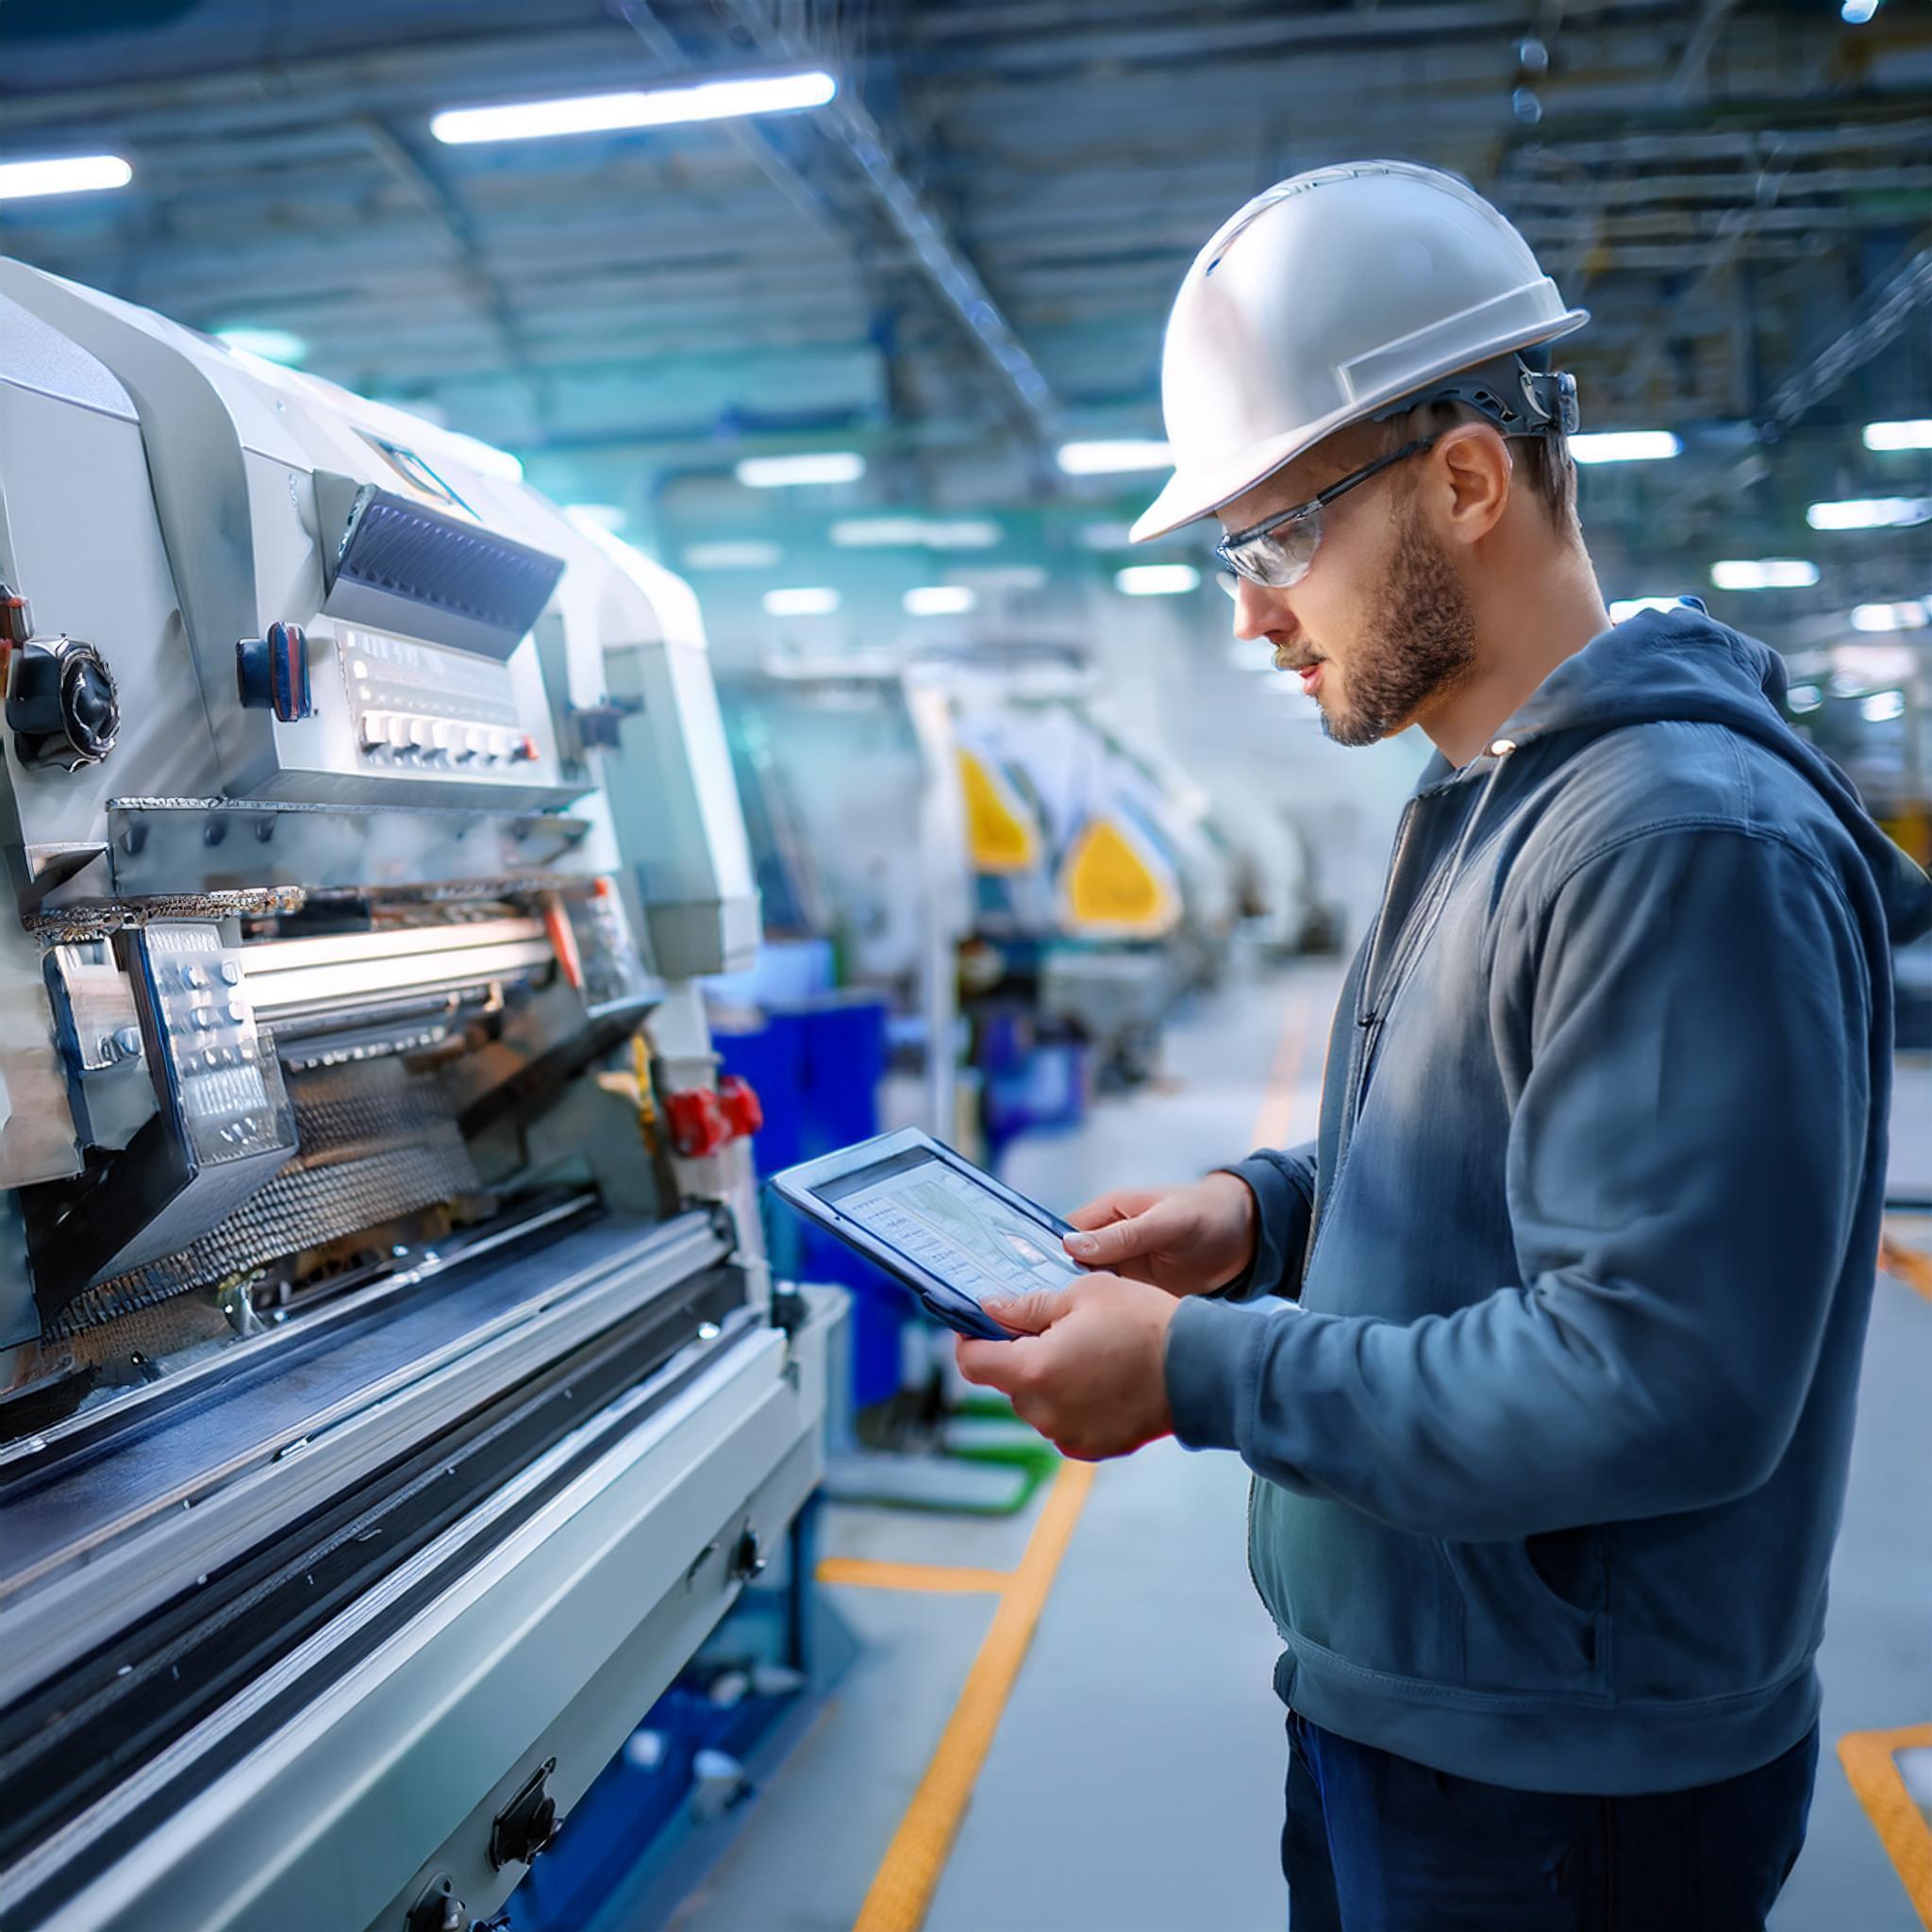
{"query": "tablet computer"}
{"type": "Point", "coordinates": [934, 1221]}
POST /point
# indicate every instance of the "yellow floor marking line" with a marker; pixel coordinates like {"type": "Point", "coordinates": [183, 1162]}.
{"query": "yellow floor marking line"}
{"type": "Point", "coordinates": [1277, 1109]}
{"type": "Point", "coordinates": [941, 1578]}
{"type": "Point", "coordinates": [1912, 1266]}
{"type": "Point", "coordinates": [1871, 1762]}
{"type": "Point", "coordinates": [902, 1887]}
{"type": "Point", "coordinates": [909, 1877]}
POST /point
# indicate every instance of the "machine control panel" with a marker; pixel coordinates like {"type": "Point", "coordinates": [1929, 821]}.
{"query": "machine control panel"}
{"type": "Point", "coordinates": [229, 1096]}
{"type": "Point", "coordinates": [223, 1123]}
{"type": "Point", "coordinates": [420, 707]}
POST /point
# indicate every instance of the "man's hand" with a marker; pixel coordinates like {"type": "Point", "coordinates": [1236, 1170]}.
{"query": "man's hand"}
{"type": "Point", "coordinates": [1087, 1366]}
{"type": "Point", "coordinates": [1188, 1240]}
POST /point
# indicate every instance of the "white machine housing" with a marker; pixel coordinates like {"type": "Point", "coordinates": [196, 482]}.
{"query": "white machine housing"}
{"type": "Point", "coordinates": [355, 908]}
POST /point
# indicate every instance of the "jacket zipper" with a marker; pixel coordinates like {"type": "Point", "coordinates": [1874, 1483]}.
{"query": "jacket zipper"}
{"type": "Point", "coordinates": [1371, 1012]}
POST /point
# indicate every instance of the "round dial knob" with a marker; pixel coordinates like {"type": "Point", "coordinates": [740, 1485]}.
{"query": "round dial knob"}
{"type": "Point", "coordinates": [61, 703]}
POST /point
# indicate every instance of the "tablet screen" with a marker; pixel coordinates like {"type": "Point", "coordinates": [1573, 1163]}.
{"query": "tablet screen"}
{"type": "Point", "coordinates": [939, 1220]}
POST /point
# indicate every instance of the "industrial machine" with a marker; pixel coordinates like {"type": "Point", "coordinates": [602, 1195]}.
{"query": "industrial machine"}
{"type": "Point", "coordinates": [1104, 886]}
{"type": "Point", "coordinates": [852, 788]}
{"type": "Point", "coordinates": [393, 1395]}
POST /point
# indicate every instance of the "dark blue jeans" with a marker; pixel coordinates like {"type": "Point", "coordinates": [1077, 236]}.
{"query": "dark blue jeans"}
{"type": "Point", "coordinates": [1378, 1843]}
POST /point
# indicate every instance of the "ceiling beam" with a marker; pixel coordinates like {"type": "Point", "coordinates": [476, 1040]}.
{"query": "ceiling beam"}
{"type": "Point", "coordinates": [449, 222]}
{"type": "Point", "coordinates": [935, 254]}
{"type": "Point", "coordinates": [1883, 319]}
{"type": "Point", "coordinates": [1690, 75]}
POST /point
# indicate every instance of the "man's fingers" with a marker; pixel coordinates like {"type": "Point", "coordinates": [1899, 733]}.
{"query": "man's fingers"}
{"type": "Point", "coordinates": [982, 1362]}
{"type": "Point", "coordinates": [1029, 1314]}
{"type": "Point", "coordinates": [1117, 1204]}
{"type": "Point", "coordinates": [1096, 1213]}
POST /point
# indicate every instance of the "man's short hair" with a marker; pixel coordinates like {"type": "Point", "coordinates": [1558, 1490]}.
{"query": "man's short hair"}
{"type": "Point", "coordinates": [1545, 462]}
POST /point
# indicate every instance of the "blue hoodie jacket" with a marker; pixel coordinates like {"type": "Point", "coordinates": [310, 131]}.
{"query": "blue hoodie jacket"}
{"type": "Point", "coordinates": [1547, 1363]}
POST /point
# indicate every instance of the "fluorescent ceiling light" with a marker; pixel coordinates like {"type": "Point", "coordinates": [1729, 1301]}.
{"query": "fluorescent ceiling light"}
{"type": "Point", "coordinates": [658, 107]}
{"type": "Point", "coordinates": [1883, 705]}
{"type": "Point", "coordinates": [1907, 616]}
{"type": "Point", "coordinates": [880, 533]}
{"type": "Point", "coordinates": [1916, 435]}
{"type": "Point", "coordinates": [1856, 13]}
{"type": "Point", "coordinates": [809, 466]}
{"type": "Point", "coordinates": [967, 534]}
{"type": "Point", "coordinates": [1857, 668]}
{"type": "Point", "coordinates": [1803, 697]}
{"type": "Point", "coordinates": [741, 553]}
{"type": "Point", "coordinates": [272, 344]}
{"type": "Point", "coordinates": [913, 533]}
{"type": "Point", "coordinates": [1114, 459]}
{"type": "Point", "coordinates": [1870, 513]}
{"type": "Point", "coordinates": [1628, 607]}
{"type": "Point", "coordinates": [1001, 577]}
{"type": "Point", "coordinates": [1157, 580]}
{"type": "Point", "coordinates": [939, 600]}
{"type": "Point", "coordinates": [602, 516]}
{"type": "Point", "coordinates": [1764, 574]}
{"type": "Point", "coordinates": [1624, 445]}
{"type": "Point", "coordinates": [801, 602]}
{"type": "Point", "coordinates": [62, 175]}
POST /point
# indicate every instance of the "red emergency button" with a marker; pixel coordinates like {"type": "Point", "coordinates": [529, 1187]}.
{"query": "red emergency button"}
{"type": "Point", "coordinates": [702, 1122]}
{"type": "Point", "coordinates": [743, 1109]}
{"type": "Point", "coordinates": [698, 1126]}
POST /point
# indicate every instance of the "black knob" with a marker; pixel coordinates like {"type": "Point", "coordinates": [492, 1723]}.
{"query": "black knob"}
{"type": "Point", "coordinates": [528, 1824]}
{"type": "Point", "coordinates": [272, 673]}
{"type": "Point", "coordinates": [748, 1559]}
{"type": "Point", "coordinates": [438, 1909]}
{"type": "Point", "coordinates": [61, 703]}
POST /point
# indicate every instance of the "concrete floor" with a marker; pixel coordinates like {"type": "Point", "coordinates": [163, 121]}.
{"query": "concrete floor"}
{"type": "Point", "coordinates": [1133, 1783]}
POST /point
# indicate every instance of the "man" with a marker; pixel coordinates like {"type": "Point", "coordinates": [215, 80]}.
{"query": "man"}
{"type": "Point", "coordinates": [1545, 1353]}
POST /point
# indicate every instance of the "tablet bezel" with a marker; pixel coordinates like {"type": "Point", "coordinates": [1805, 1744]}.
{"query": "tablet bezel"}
{"type": "Point", "coordinates": [958, 1310]}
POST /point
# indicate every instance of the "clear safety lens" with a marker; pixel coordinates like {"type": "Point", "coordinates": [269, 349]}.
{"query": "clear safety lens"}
{"type": "Point", "coordinates": [1276, 558]}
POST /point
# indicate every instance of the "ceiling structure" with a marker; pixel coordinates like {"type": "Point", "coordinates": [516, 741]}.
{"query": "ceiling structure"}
{"type": "Point", "coordinates": [968, 256]}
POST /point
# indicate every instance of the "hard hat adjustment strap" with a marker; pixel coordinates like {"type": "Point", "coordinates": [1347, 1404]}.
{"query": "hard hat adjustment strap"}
{"type": "Point", "coordinates": [1520, 399]}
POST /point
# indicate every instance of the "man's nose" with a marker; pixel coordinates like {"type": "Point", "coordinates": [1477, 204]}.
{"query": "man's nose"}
{"type": "Point", "coordinates": [1260, 611]}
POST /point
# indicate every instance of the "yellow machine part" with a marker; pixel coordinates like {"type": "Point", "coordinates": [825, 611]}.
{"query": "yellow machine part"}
{"type": "Point", "coordinates": [1111, 887]}
{"type": "Point", "coordinates": [1000, 835]}
{"type": "Point", "coordinates": [1909, 826]}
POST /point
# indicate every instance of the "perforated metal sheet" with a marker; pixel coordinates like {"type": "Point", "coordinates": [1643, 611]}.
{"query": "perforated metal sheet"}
{"type": "Point", "coordinates": [376, 1142]}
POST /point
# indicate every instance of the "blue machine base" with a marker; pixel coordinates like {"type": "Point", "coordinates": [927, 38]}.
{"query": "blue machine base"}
{"type": "Point", "coordinates": [633, 1848]}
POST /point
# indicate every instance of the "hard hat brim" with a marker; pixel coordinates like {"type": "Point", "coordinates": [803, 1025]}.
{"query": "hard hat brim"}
{"type": "Point", "coordinates": [1194, 491]}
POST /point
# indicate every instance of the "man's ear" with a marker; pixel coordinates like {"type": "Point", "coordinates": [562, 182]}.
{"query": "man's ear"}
{"type": "Point", "coordinates": [1474, 470]}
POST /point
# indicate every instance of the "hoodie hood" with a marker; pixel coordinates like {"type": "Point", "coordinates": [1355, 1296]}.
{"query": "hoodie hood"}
{"type": "Point", "coordinates": [1684, 666]}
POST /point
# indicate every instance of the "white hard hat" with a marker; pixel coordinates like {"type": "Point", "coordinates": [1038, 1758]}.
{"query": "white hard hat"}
{"type": "Point", "coordinates": [1325, 299]}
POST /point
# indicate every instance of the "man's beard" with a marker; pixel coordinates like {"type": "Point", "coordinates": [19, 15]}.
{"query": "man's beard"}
{"type": "Point", "coordinates": [1418, 647]}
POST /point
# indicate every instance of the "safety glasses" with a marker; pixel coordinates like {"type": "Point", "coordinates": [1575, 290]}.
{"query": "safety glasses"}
{"type": "Point", "coordinates": [1276, 552]}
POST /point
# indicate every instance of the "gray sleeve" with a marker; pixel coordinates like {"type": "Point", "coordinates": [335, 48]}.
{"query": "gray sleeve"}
{"type": "Point", "coordinates": [1685, 1172]}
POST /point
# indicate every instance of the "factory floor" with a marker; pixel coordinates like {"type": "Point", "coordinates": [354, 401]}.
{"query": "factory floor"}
{"type": "Point", "coordinates": [1121, 1771]}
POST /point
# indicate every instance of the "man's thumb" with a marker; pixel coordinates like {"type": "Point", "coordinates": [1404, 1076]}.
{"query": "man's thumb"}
{"type": "Point", "coordinates": [1118, 1242]}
